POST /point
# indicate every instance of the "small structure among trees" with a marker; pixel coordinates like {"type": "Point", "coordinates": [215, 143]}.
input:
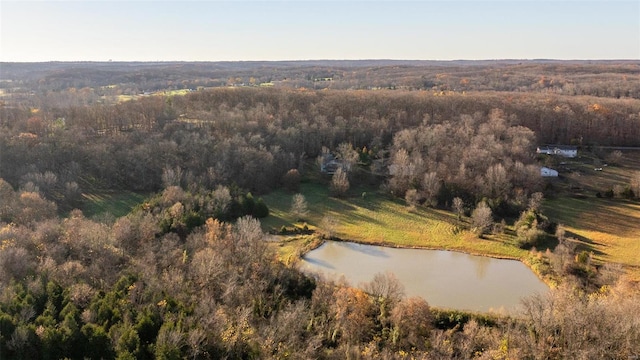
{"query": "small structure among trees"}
{"type": "Point", "coordinates": [329, 164]}
{"type": "Point", "coordinates": [548, 172]}
{"type": "Point", "coordinates": [562, 150]}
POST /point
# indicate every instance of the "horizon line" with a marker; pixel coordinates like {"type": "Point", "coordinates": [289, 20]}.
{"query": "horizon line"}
{"type": "Point", "coordinates": [313, 60]}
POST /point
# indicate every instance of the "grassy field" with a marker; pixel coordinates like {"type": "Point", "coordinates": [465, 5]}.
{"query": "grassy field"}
{"type": "Point", "coordinates": [580, 177]}
{"type": "Point", "coordinates": [376, 218]}
{"type": "Point", "coordinates": [608, 227]}
{"type": "Point", "coordinates": [116, 203]}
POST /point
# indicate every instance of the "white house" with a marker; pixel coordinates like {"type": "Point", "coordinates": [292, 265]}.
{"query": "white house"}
{"type": "Point", "coordinates": [547, 172]}
{"type": "Point", "coordinates": [562, 150]}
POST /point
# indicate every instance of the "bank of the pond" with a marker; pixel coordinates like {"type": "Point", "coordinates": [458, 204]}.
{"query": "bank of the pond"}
{"type": "Point", "coordinates": [377, 219]}
{"type": "Point", "coordinates": [295, 248]}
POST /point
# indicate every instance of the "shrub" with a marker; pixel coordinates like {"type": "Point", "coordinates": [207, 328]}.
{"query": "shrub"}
{"type": "Point", "coordinates": [627, 193]}
{"type": "Point", "coordinates": [529, 237]}
{"type": "Point", "coordinates": [529, 229]}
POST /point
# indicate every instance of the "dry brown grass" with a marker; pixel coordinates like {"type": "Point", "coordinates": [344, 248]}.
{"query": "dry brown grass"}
{"type": "Point", "coordinates": [608, 227]}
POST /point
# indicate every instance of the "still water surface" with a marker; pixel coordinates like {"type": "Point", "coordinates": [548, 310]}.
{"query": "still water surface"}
{"type": "Point", "coordinates": [444, 278]}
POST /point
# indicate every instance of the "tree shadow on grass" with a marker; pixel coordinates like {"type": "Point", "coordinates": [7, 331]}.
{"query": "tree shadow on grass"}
{"type": "Point", "coordinates": [600, 215]}
{"type": "Point", "coordinates": [584, 243]}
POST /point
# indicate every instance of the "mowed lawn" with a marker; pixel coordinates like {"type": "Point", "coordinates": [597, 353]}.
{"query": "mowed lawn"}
{"type": "Point", "coordinates": [116, 203]}
{"type": "Point", "coordinates": [373, 217]}
{"type": "Point", "coordinates": [608, 227]}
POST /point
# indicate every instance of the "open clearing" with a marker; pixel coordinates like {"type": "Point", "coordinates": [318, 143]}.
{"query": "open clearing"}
{"type": "Point", "coordinates": [378, 219]}
{"type": "Point", "coordinates": [116, 203]}
{"type": "Point", "coordinates": [608, 227]}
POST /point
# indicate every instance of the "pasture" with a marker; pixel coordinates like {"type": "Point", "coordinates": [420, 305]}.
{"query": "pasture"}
{"type": "Point", "coordinates": [375, 218]}
{"type": "Point", "coordinates": [609, 227]}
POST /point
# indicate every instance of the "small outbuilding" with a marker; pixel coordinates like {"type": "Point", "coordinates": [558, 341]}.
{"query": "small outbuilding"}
{"type": "Point", "coordinates": [329, 164]}
{"type": "Point", "coordinates": [562, 150]}
{"type": "Point", "coordinates": [548, 172]}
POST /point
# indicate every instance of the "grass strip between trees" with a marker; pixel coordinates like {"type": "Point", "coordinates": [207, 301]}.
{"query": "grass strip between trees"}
{"type": "Point", "coordinates": [116, 203]}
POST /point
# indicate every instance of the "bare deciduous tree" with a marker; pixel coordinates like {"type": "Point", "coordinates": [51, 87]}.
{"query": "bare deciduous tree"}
{"type": "Point", "coordinates": [497, 183]}
{"type": "Point", "coordinates": [329, 225]}
{"type": "Point", "coordinates": [386, 291]}
{"type": "Point", "coordinates": [339, 183]}
{"type": "Point", "coordinates": [299, 209]}
{"type": "Point", "coordinates": [412, 198]}
{"type": "Point", "coordinates": [535, 201]}
{"type": "Point", "coordinates": [482, 218]}
{"type": "Point", "coordinates": [401, 171]}
{"type": "Point", "coordinates": [172, 177]}
{"type": "Point", "coordinates": [431, 186]}
{"type": "Point", "coordinates": [458, 207]}
{"type": "Point", "coordinates": [348, 155]}
{"type": "Point", "coordinates": [33, 208]}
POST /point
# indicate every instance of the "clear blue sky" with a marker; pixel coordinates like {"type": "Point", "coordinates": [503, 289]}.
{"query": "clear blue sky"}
{"type": "Point", "coordinates": [302, 30]}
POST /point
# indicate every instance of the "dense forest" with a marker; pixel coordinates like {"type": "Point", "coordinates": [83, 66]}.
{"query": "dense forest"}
{"type": "Point", "coordinates": [225, 136]}
{"type": "Point", "coordinates": [189, 272]}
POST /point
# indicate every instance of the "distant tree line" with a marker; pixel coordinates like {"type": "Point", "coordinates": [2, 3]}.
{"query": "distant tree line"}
{"type": "Point", "coordinates": [100, 81]}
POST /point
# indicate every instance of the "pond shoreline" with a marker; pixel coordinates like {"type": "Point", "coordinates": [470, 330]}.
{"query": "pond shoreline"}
{"type": "Point", "coordinates": [445, 279]}
{"type": "Point", "coordinates": [551, 282]}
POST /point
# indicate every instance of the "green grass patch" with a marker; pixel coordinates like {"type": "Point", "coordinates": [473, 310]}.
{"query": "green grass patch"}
{"type": "Point", "coordinates": [377, 218]}
{"type": "Point", "coordinates": [291, 248]}
{"type": "Point", "coordinates": [116, 203]}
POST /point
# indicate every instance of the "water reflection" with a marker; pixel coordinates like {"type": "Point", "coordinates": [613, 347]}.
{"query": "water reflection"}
{"type": "Point", "coordinates": [481, 266]}
{"type": "Point", "coordinates": [443, 278]}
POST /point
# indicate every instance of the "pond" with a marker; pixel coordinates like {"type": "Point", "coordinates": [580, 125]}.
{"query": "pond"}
{"type": "Point", "coordinates": [445, 279]}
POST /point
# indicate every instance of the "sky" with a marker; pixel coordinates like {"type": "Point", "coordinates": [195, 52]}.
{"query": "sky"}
{"type": "Point", "coordinates": [122, 30]}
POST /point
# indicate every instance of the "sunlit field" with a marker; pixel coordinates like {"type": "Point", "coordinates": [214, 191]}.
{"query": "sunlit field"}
{"type": "Point", "coordinates": [372, 217]}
